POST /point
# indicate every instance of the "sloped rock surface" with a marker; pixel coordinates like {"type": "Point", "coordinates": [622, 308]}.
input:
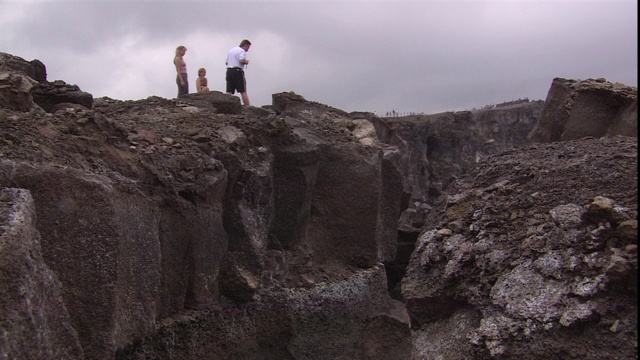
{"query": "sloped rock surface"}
{"type": "Point", "coordinates": [531, 256]}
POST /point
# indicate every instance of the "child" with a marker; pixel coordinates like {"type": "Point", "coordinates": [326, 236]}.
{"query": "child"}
{"type": "Point", "coordinates": [201, 82]}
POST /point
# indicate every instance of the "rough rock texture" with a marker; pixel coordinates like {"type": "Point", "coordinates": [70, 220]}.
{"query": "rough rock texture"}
{"type": "Point", "coordinates": [34, 322]}
{"type": "Point", "coordinates": [348, 319]}
{"type": "Point", "coordinates": [532, 255]}
{"type": "Point", "coordinates": [196, 228]}
{"type": "Point", "coordinates": [575, 109]}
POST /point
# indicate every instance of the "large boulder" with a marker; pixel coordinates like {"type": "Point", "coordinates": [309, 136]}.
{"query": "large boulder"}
{"type": "Point", "coordinates": [15, 92]}
{"type": "Point", "coordinates": [579, 108]}
{"type": "Point", "coordinates": [97, 230]}
{"type": "Point", "coordinates": [214, 101]}
{"type": "Point", "coordinates": [49, 94]}
{"type": "Point", "coordinates": [34, 69]}
{"type": "Point", "coordinates": [351, 318]}
{"type": "Point", "coordinates": [17, 78]}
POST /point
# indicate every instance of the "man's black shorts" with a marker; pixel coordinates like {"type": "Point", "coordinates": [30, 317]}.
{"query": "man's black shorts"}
{"type": "Point", "coordinates": [235, 80]}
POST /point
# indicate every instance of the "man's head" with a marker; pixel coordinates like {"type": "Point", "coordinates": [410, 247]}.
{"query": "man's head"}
{"type": "Point", "coordinates": [245, 44]}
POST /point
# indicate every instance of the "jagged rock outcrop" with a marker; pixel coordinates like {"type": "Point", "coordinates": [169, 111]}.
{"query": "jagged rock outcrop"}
{"type": "Point", "coordinates": [575, 109]}
{"type": "Point", "coordinates": [16, 65]}
{"type": "Point", "coordinates": [195, 228]}
{"type": "Point", "coordinates": [24, 83]}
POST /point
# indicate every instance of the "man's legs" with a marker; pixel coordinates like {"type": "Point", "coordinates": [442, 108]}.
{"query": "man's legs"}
{"type": "Point", "coordinates": [230, 82]}
{"type": "Point", "coordinates": [245, 98]}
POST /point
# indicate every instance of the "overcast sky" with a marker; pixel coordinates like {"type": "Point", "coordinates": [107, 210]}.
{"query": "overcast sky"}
{"type": "Point", "coordinates": [411, 56]}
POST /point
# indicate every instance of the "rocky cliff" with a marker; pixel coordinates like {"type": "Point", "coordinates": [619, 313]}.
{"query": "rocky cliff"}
{"type": "Point", "coordinates": [196, 228]}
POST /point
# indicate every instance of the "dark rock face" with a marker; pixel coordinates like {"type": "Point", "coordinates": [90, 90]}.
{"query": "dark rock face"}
{"type": "Point", "coordinates": [195, 228]}
{"type": "Point", "coordinates": [575, 109]}
{"type": "Point", "coordinates": [34, 317]}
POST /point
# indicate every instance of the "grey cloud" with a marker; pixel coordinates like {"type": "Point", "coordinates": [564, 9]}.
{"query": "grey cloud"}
{"type": "Point", "coordinates": [421, 56]}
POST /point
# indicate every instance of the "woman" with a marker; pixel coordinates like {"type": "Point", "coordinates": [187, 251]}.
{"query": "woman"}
{"type": "Point", "coordinates": [181, 68]}
{"type": "Point", "coordinates": [201, 81]}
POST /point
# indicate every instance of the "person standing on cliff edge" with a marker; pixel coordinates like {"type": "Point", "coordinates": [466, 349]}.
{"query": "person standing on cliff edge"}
{"type": "Point", "coordinates": [181, 69]}
{"type": "Point", "coordinates": [236, 63]}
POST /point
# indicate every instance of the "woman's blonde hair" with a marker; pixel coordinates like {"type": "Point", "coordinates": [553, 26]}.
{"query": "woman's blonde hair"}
{"type": "Point", "coordinates": [201, 70]}
{"type": "Point", "coordinates": [179, 50]}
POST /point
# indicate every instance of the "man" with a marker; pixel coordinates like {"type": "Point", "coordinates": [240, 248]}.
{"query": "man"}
{"type": "Point", "coordinates": [236, 62]}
